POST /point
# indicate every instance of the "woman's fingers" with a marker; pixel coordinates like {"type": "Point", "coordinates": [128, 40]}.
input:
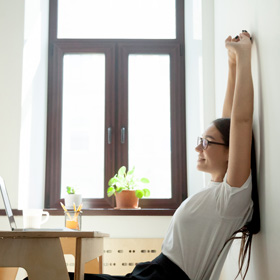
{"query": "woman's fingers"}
{"type": "Point", "coordinates": [244, 37]}
{"type": "Point", "coordinates": [236, 39]}
{"type": "Point", "coordinates": [245, 33]}
{"type": "Point", "coordinates": [228, 39]}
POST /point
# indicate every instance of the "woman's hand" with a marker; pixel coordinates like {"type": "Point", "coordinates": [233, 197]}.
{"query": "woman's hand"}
{"type": "Point", "coordinates": [231, 41]}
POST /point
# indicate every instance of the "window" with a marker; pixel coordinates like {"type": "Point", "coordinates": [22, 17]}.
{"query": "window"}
{"type": "Point", "coordinates": [116, 97]}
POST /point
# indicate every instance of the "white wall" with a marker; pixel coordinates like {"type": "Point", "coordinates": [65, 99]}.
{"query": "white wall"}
{"type": "Point", "coordinates": [33, 104]}
{"type": "Point", "coordinates": [11, 52]}
{"type": "Point", "coordinates": [261, 19]}
{"type": "Point", "coordinates": [23, 80]}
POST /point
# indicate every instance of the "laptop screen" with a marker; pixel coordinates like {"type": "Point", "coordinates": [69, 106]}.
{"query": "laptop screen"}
{"type": "Point", "coordinates": [7, 204]}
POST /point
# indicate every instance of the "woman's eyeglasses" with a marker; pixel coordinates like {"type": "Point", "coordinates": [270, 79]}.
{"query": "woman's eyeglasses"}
{"type": "Point", "coordinates": [204, 143]}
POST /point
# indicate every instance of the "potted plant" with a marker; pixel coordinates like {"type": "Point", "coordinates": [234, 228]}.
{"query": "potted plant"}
{"type": "Point", "coordinates": [72, 197]}
{"type": "Point", "coordinates": [127, 189]}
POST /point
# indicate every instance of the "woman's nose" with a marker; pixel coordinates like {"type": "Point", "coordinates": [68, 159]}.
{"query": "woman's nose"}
{"type": "Point", "coordinates": [198, 148]}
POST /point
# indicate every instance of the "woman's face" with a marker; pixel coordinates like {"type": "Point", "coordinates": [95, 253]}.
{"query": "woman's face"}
{"type": "Point", "coordinates": [214, 159]}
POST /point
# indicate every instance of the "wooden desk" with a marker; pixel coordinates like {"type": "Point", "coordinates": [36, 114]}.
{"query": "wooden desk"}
{"type": "Point", "coordinates": [40, 252]}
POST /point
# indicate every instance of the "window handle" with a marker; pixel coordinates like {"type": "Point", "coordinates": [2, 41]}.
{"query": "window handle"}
{"type": "Point", "coordinates": [109, 135]}
{"type": "Point", "coordinates": [123, 135]}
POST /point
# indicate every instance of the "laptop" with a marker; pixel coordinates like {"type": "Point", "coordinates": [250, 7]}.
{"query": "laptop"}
{"type": "Point", "coordinates": [10, 214]}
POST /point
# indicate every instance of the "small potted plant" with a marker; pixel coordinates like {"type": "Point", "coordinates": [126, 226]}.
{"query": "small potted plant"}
{"type": "Point", "coordinates": [72, 197]}
{"type": "Point", "coordinates": [127, 189]}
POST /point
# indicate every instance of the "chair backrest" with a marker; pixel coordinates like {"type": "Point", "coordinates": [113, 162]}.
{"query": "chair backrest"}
{"type": "Point", "coordinates": [69, 248]}
{"type": "Point", "coordinates": [8, 273]}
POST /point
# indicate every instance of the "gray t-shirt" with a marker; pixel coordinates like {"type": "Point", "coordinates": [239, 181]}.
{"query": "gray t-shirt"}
{"type": "Point", "coordinates": [203, 223]}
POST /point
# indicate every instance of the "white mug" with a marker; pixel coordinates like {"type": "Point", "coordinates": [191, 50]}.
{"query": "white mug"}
{"type": "Point", "coordinates": [32, 218]}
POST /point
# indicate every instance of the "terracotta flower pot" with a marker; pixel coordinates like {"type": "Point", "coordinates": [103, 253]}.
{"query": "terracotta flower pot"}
{"type": "Point", "coordinates": [127, 199]}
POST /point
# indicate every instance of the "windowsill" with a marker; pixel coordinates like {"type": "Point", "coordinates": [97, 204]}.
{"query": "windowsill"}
{"type": "Point", "coordinates": [107, 212]}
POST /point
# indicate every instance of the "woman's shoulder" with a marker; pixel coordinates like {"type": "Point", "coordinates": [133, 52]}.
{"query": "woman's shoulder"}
{"type": "Point", "coordinates": [247, 184]}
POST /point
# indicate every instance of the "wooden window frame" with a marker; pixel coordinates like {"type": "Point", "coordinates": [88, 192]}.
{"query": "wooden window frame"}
{"type": "Point", "coordinates": [116, 52]}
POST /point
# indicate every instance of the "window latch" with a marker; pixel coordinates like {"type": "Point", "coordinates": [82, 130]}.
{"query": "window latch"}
{"type": "Point", "coordinates": [109, 135]}
{"type": "Point", "coordinates": [123, 135]}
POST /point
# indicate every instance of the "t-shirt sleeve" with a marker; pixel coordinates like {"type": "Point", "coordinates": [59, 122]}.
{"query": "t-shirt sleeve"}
{"type": "Point", "coordinates": [232, 201]}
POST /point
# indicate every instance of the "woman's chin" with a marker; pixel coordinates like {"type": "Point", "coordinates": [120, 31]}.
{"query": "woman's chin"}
{"type": "Point", "coordinates": [199, 167]}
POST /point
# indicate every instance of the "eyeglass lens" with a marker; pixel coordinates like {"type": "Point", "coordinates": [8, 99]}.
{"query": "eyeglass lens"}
{"type": "Point", "coordinates": [203, 142]}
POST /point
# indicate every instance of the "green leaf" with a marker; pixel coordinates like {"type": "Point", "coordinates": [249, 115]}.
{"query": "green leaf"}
{"type": "Point", "coordinates": [139, 193]}
{"type": "Point", "coordinates": [122, 171]}
{"type": "Point", "coordinates": [110, 191]}
{"type": "Point", "coordinates": [145, 180]}
{"type": "Point", "coordinates": [112, 181]}
{"type": "Point", "coordinates": [70, 190]}
{"type": "Point", "coordinates": [146, 192]}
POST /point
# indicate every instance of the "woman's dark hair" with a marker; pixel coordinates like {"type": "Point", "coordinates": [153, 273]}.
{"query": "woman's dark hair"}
{"type": "Point", "coordinates": [253, 227]}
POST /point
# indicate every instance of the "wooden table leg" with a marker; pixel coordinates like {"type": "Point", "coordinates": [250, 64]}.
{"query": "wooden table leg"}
{"type": "Point", "coordinates": [42, 258]}
{"type": "Point", "coordinates": [79, 261]}
{"type": "Point", "coordinates": [100, 265]}
{"type": "Point", "coordinates": [86, 249]}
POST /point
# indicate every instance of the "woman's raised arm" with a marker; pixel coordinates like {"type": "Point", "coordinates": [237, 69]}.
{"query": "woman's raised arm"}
{"type": "Point", "coordinates": [241, 112]}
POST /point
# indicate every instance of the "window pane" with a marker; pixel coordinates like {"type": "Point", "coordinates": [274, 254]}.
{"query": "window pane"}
{"type": "Point", "coordinates": [149, 121]}
{"type": "Point", "coordinates": [123, 19]}
{"type": "Point", "coordinates": [83, 124]}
